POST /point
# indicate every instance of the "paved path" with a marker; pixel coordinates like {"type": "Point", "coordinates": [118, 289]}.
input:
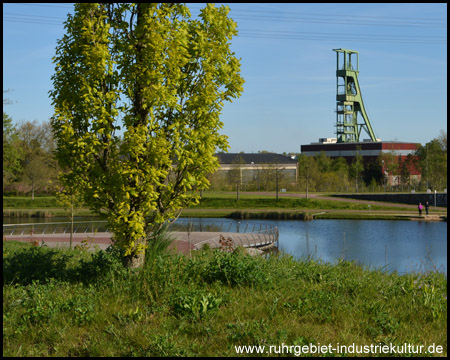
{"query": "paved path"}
{"type": "Point", "coordinates": [183, 241]}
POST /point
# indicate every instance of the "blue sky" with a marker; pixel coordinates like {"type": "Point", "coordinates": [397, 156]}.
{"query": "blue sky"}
{"type": "Point", "coordinates": [288, 65]}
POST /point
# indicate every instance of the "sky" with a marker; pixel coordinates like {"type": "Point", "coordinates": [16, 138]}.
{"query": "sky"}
{"type": "Point", "coordinates": [289, 67]}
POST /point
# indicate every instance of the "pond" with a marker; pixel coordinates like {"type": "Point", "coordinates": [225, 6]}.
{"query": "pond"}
{"type": "Point", "coordinates": [403, 246]}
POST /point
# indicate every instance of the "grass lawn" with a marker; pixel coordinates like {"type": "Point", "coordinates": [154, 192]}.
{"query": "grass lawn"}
{"type": "Point", "coordinates": [76, 303]}
{"type": "Point", "coordinates": [225, 204]}
{"type": "Point", "coordinates": [219, 200]}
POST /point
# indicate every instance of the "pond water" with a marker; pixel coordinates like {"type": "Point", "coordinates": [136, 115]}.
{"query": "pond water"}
{"type": "Point", "coordinates": [403, 246]}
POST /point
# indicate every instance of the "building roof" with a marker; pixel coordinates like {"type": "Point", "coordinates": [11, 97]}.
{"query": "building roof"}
{"type": "Point", "coordinates": [379, 146]}
{"type": "Point", "coordinates": [260, 158]}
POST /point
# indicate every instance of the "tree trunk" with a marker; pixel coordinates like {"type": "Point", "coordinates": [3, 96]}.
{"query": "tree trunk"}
{"type": "Point", "coordinates": [71, 227]}
{"type": "Point", "coordinates": [136, 260]}
{"type": "Point", "coordinates": [307, 180]}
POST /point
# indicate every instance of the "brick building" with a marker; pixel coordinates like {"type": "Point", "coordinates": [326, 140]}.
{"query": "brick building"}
{"type": "Point", "coordinates": [393, 151]}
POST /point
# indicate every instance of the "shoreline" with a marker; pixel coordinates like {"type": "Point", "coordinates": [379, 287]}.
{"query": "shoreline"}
{"type": "Point", "coordinates": [274, 214]}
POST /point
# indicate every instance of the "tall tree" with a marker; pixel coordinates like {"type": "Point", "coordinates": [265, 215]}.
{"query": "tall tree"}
{"type": "Point", "coordinates": [159, 76]}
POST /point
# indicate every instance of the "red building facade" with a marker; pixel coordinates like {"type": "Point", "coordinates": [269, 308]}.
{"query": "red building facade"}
{"type": "Point", "coordinates": [389, 155]}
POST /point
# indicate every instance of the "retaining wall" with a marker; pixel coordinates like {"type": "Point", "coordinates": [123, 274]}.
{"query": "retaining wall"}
{"type": "Point", "coordinates": [413, 199]}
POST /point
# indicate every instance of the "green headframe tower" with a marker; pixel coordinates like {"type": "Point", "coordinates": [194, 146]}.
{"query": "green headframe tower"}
{"type": "Point", "coordinates": [349, 101]}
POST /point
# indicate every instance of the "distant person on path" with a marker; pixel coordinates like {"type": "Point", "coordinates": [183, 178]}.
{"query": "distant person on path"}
{"type": "Point", "coordinates": [427, 205]}
{"type": "Point", "coordinates": [420, 207]}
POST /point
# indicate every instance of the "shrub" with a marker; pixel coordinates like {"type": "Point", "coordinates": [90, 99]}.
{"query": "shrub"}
{"type": "Point", "coordinates": [234, 268]}
{"type": "Point", "coordinates": [101, 264]}
{"type": "Point", "coordinates": [35, 264]}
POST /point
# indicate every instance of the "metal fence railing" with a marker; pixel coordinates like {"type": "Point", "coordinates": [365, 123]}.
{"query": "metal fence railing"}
{"type": "Point", "coordinates": [55, 228]}
{"type": "Point", "coordinates": [246, 234]}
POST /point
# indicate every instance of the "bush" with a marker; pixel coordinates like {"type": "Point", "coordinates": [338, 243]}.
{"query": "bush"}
{"type": "Point", "coordinates": [101, 264]}
{"type": "Point", "coordinates": [231, 268]}
{"type": "Point", "coordinates": [34, 263]}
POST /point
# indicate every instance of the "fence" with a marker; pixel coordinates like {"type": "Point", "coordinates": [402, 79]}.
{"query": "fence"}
{"type": "Point", "coordinates": [246, 234]}
{"type": "Point", "coordinates": [262, 240]}
{"type": "Point", "coordinates": [55, 228]}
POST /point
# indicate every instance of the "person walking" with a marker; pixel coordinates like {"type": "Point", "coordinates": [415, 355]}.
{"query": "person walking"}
{"type": "Point", "coordinates": [427, 205]}
{"type": "Point", "coordinates": [420, 207]}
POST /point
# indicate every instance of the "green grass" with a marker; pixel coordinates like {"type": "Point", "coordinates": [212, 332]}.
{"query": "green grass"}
{"type": "Point", "coordinates": [223, 204]}
{"type": "Point", "coordinates": [287, 203]}
{"type": "Point", "coordinates": [218, 201]}
{"type": "Point", "coordinates": [20, 202]}
{"type": "Point", "coordinates": [76, 303]}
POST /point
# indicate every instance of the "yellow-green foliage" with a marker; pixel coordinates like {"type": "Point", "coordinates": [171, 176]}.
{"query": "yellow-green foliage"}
{"type": "Point", "coordinates": [159, 77]}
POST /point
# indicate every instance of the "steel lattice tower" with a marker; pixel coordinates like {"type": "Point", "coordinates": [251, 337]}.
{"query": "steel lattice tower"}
{"type": "Point", "coordinates": [349, 100]}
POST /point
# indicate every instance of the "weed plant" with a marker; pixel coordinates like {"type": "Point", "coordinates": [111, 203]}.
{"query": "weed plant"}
{"type": "Point", "coordinates": [76, 303]}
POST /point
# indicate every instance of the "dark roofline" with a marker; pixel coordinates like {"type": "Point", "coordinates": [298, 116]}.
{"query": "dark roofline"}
{"type": "Point", "coordinates": [259, 158]}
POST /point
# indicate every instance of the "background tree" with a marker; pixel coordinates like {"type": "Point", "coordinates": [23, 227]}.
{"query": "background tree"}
{"type": "Point", "coordinates": [372, 174]}
{"type": "Point", "coordinates": [307, 167]}
{"type": "Point", "coordinates": [341, 169]}
{"type": "Point", "coordinates": [324, 179]}
{"type": "Point", "coordinates": [324, 162]}
{"type": "Point", "coordinates": [389, 161]}
{"type": "Point", "coordinates": [38, 164]}
{"type": "Point", "coordinates": [72, 201]}
{"type": "Point", "coordinates": [11, 151]}
{"type": "Point", "coordinates": [12, 154]}
{"type": "Point", "coordinates": [279, 176]}
{"type": "Point", "coordinates": [235, 174]}
{"type": "Point", "coordinates": [406, 166]}
{"type": "Point", "coordinates": [34, 172]}
{"type": "Point", "coordinates": [265, 174]}
{"type": "Point", "coordinates": [443, 141]}
{"type": "Point", "coordinates": [433, 162]}
{"type": "Point", "coordinates": [357, 167]}
{"type": "Point", "coordinates": [160, 77]}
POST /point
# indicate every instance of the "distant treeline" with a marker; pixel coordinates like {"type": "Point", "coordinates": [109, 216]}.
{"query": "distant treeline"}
{"type": "Point", "coordinates": [30, 168]}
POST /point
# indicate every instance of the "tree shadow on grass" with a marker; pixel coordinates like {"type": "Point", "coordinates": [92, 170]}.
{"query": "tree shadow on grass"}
{"type": "Point", "coordinates": [42, 264]}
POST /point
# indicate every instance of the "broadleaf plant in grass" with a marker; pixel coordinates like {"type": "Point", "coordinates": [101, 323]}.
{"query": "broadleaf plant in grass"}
{"type": "Point", "coordinates": [138, 90]}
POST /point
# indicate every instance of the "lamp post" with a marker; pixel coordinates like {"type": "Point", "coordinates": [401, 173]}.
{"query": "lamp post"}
{"type": "Point", "coordinates": [434, 200]}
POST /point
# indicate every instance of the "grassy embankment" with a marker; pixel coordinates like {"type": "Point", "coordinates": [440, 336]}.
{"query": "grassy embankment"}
{"type": "Point", "coordinates": [76, 303]}
{"type": "Point", "coordinates": [225, 205]}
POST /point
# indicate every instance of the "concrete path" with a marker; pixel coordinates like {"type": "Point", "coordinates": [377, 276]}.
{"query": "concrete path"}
{"type": "Point", "coordinates": [182, 243]}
